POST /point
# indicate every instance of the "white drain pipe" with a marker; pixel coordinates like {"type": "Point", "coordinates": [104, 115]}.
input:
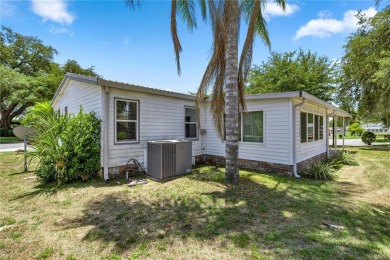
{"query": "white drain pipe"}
{"type": "Point", "coordinates": [294, 114]}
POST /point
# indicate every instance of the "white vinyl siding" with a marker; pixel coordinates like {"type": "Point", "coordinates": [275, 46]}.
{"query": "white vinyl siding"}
{"type": "Point", "coordinates": [76, 94]}
{"type": "Point", "coordinates": [277, 134]}
{"type": "Point", "coordinates": [160, 118]}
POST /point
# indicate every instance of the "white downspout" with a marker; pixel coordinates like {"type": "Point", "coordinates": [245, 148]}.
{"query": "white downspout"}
{"type": "Point", "coordinates": [105, 133]}
{"type": "Point", "coordinates": [294, 141]}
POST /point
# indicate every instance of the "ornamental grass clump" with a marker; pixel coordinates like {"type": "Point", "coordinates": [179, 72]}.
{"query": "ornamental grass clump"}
{"type": "Point", "coordinates": [68, 147]}
{"type": "Point", "coordinates": [320, 171]}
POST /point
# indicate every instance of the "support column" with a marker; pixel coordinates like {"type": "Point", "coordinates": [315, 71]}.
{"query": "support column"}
{"type": "Point", "coordinates": [343, 132]}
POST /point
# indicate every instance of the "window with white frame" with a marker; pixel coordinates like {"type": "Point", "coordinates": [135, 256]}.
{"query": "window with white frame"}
{"type": "Point", "coordinates": [126, 121]}
{"type": "Point", "coordinates": [312, 127]}
{"type": "Point", "coordinates": [253, 127]}
{"type": "Point", "coordinates": [190, 123]}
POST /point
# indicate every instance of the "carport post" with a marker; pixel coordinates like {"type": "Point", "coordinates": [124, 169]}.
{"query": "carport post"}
{"type": "Point", "coordinates": [343, 131]}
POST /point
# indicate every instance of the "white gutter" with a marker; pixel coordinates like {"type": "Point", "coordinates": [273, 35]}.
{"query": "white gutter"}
{"type": "Point", "coordinates": [106, 91]}
{"type": "Point", "coordinates": [294, 114]}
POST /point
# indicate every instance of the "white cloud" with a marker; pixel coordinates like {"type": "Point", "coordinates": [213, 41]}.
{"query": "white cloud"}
{"type": "Point", "coordinates": [272, 9]}
{"type": "Point", "coordinates": [7, 9]}
{"type": "Point", "coordinates": [54, 10]}
{"type": "Point", "coordinates": [60, 30]}
{"type": "Point", "coordinates": [326, 27]}
{"type": "Point", "coordinates": [325, 14]}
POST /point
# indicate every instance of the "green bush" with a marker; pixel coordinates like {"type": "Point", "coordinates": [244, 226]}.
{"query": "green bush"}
{"type": "Point", "coordinates": [368, 137]}
{"type": "Point", "coordinates": [344, 158]}
{"type": "Point", "coordinates": [320, 171]}
{"type": "Point", "coordinates": [68, 147]}
{"type": "Point", "coordinates": [5, 132]}
{"type": "Point", "coordinates": [340, 135]}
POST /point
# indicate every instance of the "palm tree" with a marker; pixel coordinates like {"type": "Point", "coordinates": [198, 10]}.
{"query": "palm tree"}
{"type": "Point", "coordinates": [225, 75]}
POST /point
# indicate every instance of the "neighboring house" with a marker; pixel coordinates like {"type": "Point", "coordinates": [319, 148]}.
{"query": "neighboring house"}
{"type": "Point", "coordinates": [281, 132]}
{"type": "Point", "coordinates": [377, 128]}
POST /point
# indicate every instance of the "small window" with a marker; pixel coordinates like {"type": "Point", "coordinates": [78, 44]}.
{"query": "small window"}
{"type": "Point", "coordinates": [310, 127]}
{"type": "Point", "coordinates": [303, 127]}
{"type": "Point", "coordinates": [316, 127]}
{"type": "Point", "coordinates": [66, 110]}
{"type": "Point", "coordinates": [191, 123]}
{"type": "Point", "coordinates": [321, 127]}
{"type": "Point", "coordinates": [126, 121]}
{"type": "Point", "coordinates": [252, 125]}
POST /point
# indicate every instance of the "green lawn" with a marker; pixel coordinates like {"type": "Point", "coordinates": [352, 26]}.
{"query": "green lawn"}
{"type": "Point", "coordinates": [197, 216]}
{"type": "Point", "coordinates": [11, 139]}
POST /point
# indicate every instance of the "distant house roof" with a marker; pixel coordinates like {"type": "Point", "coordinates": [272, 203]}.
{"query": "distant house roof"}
{"type": "Point", "coordinates": [125, 86]}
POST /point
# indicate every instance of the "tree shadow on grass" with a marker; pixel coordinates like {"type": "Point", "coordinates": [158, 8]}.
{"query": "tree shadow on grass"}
{"type": "Point", "coordinates": [282, 217]}
{"type": "Point", "coordinates": [51, 189]}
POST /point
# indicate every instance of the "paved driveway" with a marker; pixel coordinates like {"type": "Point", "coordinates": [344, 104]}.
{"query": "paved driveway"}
{"type": "Point", "coordinates": [12, 147]}
{"type": "Point", "coordinates": [355, 142]}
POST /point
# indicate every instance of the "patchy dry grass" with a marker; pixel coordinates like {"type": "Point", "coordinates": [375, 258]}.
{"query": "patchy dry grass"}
{"type": "Point", "coordinates": [197, 216]}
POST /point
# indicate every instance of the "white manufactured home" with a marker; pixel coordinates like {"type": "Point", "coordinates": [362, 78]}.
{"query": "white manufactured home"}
{"type": "Point", "coordinates": [279, 132]}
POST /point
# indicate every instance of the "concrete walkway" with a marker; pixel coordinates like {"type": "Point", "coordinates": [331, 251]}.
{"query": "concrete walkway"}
{"type": "Point", "coordinates": [355, 142]}
{"type": "Point", "coordinates": [13, 147]}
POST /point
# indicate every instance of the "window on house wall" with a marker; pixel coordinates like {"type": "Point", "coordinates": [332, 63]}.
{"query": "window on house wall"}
{"type": "Point", "coordinates": [316, 127]}
{"type": "Point", "coordinates": [321, 127]}
{"type": "Point", "coordinates": [190, 123]}
{"type": "Point", "coordinates": [126, 121]}
{"type": "Point", "coordinates": [312, 127]}
{"type": "Point", "coordinates": [66, 110]}
{"type": "Point", "coordinates": [303, 127]}
{"type": "Point", "coordinates": [252, 127]}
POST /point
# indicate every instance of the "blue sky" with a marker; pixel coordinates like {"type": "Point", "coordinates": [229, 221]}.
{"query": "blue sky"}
{"type": "Point", "coordinates": [135, 46]}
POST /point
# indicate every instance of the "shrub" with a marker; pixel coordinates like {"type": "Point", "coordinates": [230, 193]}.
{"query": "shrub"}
{"type": "Point", "coordinates": [340, 135]}
{"type": "Point", "coordinates": [368, 137]}
{"type": "Point", "coordinates": [68, 147]}
{"type": "Point", "coordinates": [320, 171]}
{"type": "Point", "coordinates": [344, 158]}
{"type": "Point", "coordinates": [5, 132]}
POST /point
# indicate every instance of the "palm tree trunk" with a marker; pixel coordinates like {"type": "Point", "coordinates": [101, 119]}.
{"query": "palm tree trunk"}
{"type": "Point", "coordinates": [231, 103]}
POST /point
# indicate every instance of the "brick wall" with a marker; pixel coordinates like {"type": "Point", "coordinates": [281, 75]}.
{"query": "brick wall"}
{"type": "Point", "coordinates": [261, 166]}
{"type": "Point", "coordinates": [247, 164]}
{"type": "Point", "coordinates": [307, 163]}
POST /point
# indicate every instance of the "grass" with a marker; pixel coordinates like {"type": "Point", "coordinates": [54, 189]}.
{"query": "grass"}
{"type": "Point", "coordinates": [9, 139]}
{"type": "Point", "coordinates": [197, 216]}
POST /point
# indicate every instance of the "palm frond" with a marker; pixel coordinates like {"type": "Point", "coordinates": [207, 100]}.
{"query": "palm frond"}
{"type": "Point", "coordinates": [203, 9]}
{"type": "Point", "coordinates": [247, 52]}
{"type": "Point", "coordinates": [186, 8]}
{"type": "Point", "coordinates": [132, 4]}
{"type": "Point", "coordinates": [175, 38]}
{"type": "Point", "coordinates": [214, 75]}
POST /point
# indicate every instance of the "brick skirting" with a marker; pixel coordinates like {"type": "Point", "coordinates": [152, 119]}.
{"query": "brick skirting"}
{"type": "Point", "coordinates": [278, 168]}
{"type": "Point", "coordinates": [307, 163]}
{"type": "Point", "coordinates": [247, 164]}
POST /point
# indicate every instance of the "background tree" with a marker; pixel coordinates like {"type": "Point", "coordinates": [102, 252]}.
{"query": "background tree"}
{"type": "Point", "coordinates": [295, 71]}
{"type": "Point", "coordinates": [25, 54]}
{"type": "Point", "coordinates": [366, 69]}
{"type": "Point", "coordinates": [226, 73]}
{"type": "Point", "coordinates": [28, 73]}
{"type": "Point", "coordinates": [15, 95]}
{"type": "Point", "coordinates": [355, 129]}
